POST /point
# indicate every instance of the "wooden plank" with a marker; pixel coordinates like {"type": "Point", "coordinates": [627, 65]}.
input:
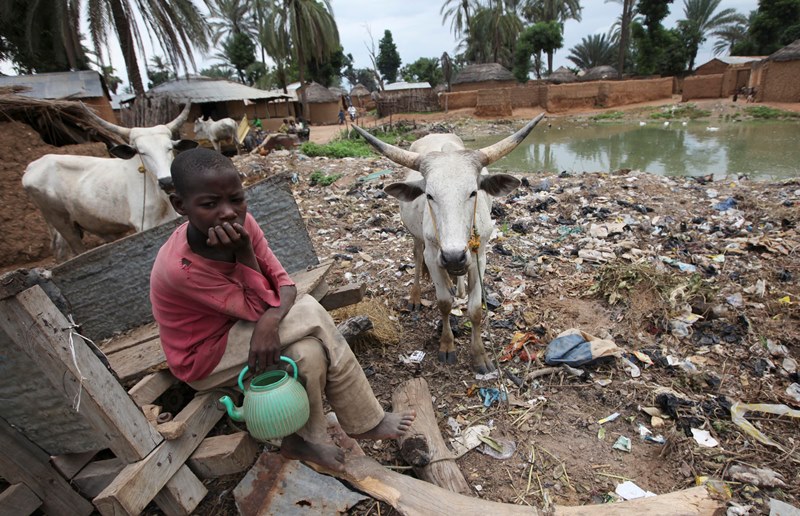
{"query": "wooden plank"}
{"type": "Point", "coordinates": [70, 464]}
{"type": "Point", "coordinates": [149, 388]}
{"type": "Point", "coordinates": [182, 494]}
{"type": "Point", "coordinates": [36, 325]}
{"type": "Point", "coordinates": [97, 475]}
{"type": "Point", "coordinates": [343, 296]}
{"type": "Point", "coordinates": [138, 483]}
{"type": "Point", "coordinates": [308, 280]}
{"type": "Point", "coordinates": [320, 290]}
{"type": "Point", "coordinates": [423, 446]}
{"type": "Point", "coordinates": [22, 462]}
{"type": "Point", "coordinates": [18, 500]}
{"type": "Point", "coordinates": [132, 338]}
{"type": "Point", "coordinates": [135, 362]}
{"type": "Point", "coordinates": [224, 455]}
{"type": "Point", "coordinates": [13, 282]}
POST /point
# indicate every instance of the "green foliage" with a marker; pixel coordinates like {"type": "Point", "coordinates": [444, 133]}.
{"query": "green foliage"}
{"type": "Point", "coordinates": [388, 57]}
{"type": "Point", "coordinates": [160, 73]}
{"type": "Point", "coordinates": [701, 19]}
{"type": "Point", "coordinates": [424, 69]}
{"type": "Point", "coordinates": [593, 50]}
{"type": "Point", "coordinates": [608, 115]}
{"type": "Point", "coordinates": [318, 177]}
{"type": "Point", "coordinates": [219, 71]}
{"type": "Point", "coordinates": [768, 113]}
{"type": "Point", "coordinates": [493, 34]}
{"type": "Point", "coordinates": [540, 37]}
{"type": "Point", "coordinates": [771, 22]}
{"type": "Point", "coordinates": [240, 51]}
{"type": "Point", "coordinates": [679, 112]}
{"type": "Point", "coordinates": [650, 37]}
{"type": "Point", "coordinates": [327, 71]}
{"type": "Point", "coordinates": [337, 149]}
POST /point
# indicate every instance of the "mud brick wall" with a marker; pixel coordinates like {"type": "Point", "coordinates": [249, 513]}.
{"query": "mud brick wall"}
{"type": "Point", "coordinates": [562, 97]}
{"type": "Point", "coordinates": [620, 93]}
{"type": "Point", "coordinates": [493, 103]}
{"type": "Point", "coordinates": [780, 82]}
{"type": "Point", "coordinates": [108, 287]}
{"type": "Point", "coordinates": [527, 95]}
{"type": "Point", "coordinates": [702, 87]}
{"type": "Point", "coordinates": [464, 99]}
{"type": "Point", "coordinates": [483, 85]}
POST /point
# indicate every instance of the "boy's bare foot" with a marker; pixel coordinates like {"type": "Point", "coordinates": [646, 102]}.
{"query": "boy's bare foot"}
{"type": "Point", "coordinates": [326, 455]}
{"type": "Point", "coordinates": [392, 426]}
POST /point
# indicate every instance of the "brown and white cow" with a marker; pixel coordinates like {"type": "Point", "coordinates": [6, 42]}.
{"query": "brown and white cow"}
{"type": "Point", "coordinates": [444, 201]}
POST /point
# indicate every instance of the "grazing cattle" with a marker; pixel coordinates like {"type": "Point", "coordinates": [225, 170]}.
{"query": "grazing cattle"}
{"type": "Point", "coordinates": [277, 141]}
{"type": "Point", "coordinates": [445, 205]}
{"type": "Point", "coordinates": [105, 196]}
{"type": "Point", "coordinates": [225, 129]}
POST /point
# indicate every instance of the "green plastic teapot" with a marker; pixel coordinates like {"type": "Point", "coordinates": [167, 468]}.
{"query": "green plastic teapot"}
{"type": "Point", "coordinates": [275, 404]}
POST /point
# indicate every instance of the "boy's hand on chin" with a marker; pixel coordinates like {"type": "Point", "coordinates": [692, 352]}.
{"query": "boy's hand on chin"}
{"type": "Point", "coordinates": [229, 236]}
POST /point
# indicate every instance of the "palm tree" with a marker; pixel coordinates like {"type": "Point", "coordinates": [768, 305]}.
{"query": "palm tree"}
{"type": "Point", "coordinates": [492, 34]}
{"type": "Point", "coordinates": [701, 20]}
{"type": "Point", "coordinates": [230, 17]}
{"type": "Point", "coordinates": [309, 26]}
{"type": "Point", "coordinates": [549, 11]}
{"type": "Point", "coordinates": [729, 35]}
{"type": "Point", "coordinates": [593, 50]}
{"type": "Point", "coordinates": [176, 24]}
{"type": "Point", "coordinates": [459, 11]}
{"type": "Point", "coordinates": [625, 19]}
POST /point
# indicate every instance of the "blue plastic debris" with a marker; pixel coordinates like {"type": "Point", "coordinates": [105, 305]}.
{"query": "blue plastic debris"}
{"type": "Point", "coordinates": [725, 205]}
{"type": "Point", "coordinates": [575, 348]}
{"type": "Point", "coordinates": [490, 395]}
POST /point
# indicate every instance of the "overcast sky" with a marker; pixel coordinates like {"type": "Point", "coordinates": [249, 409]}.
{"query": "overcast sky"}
{"type": "Point", "coordinates": [417, 29]}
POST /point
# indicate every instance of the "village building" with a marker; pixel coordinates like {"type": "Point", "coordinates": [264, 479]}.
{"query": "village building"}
{"type": "Point", "coordinates": [561, 75]}
{"type": "Point", "coordinates": [776, 78]}
{"type": "Point", "coordinates": [87, 86]}
{"type": "Point", "coordinates": [481, 77]}
{"type": "Point", "coordinates": [600, 73]}
{"type": "Point", "coordinates": [734, 70]}
{"type": "Point", "coordinates": [323, 104]}
{"type": "Point", "coordinates": [361, 97]}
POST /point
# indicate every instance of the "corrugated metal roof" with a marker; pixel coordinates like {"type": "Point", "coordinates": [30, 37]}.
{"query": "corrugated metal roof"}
{"type": "Point", "coordinates": [395, 86]}
{"type": "Point", "coordinates": [204, 89]}
{"type": "Point", "coordinates": [739, 59]}
{"type": "Point", "coordinates": [59, 85]}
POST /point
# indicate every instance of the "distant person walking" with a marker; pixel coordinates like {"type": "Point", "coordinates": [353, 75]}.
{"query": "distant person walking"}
{"type": "Point", "coordinates": [352, 111]}
{"type": "Point", "coordinates": [341, 116]}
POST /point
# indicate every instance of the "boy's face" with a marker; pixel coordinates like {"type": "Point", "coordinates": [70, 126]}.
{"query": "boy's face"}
{"type": "Point", "coordinates": [215, 197]}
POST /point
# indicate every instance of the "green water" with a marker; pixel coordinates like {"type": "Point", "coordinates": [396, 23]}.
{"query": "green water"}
{"type": "Point", "coordinates": [758, 149]}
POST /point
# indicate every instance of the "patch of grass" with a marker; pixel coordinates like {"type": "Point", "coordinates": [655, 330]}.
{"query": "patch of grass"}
{"type": "Point", "coordinates": [689, 111]}
{"type": "Point", "coordinates": [337, 149]}
{"type": "Point", "coordinates": [608, 115]}
{"type": "Point", "coordinates": [769, 113]}
{"type": "Point", "coordinates": [318, 177]}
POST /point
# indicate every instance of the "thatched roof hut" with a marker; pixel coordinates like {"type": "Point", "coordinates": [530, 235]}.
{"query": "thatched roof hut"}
{"type": "Point", "coordinates": [359, 90]}
{"type": "Point", "coordinates": [600, 73]}
{"type": "Point", "coordinates": [316, 93]}
{"type": "Point", "coordinates": [323, 104]}
{"type": "Point", "coordinates": [790, 52]}
{"type": "Point", "coordinates": [482, 73]}
{"type": "Point", "coordinates": [561, 75]}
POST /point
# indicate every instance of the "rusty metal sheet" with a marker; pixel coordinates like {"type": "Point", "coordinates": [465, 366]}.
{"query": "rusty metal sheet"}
{"type": "Point", "coordinates": [276, 485]}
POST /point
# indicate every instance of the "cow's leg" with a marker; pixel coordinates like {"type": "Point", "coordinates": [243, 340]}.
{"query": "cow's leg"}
{"type": "Point", "coordinates": [481, 362]}
{"type": "Point", "coordinates": [65, 240]}
{"type": "Point", "coordinates": [216, 145]}
{"type": "Point", "coordinates": [447, 347]}
{"type": "Point", "coordinates": [414, 302]}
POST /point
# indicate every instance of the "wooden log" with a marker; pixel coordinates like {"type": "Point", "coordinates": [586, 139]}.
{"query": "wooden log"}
{"type": "Point", "coordinates": [22, 462]}
{"type": "Point", "coordinates": [693, 501]}
{"type": "Point", "coordinates": [343, 296]}
{"type": "Point", "coordinates": [18, 500]}
{"type": "Point", "coordinates": [182, 494]}
{"type": "Point", "coordinates": [149, 388]}
{"type": "Point", "coordinates": [70, 464]}
{"type": "Point", "coordinates": [37, 327]}
{"type": "Point", "coordinates": [423, 446]}
{"type": "Point", "coordinates": [97, 476]}
{"type": "Point", "coordinates": [308, 280]}
{"type": "Point", "coordinates": [224, 455]}
{"type": "Point", "coordinates": [138, 483]}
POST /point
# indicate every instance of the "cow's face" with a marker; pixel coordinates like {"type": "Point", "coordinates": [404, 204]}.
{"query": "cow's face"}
{"type": "Point", "coordinates": [155, 148]}
{"type": "Point", "coordinates": [452, 185]}
{"type": "Point", "coordinates": [199, 125]}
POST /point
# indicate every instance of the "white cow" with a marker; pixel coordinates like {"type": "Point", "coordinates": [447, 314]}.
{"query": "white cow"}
{"type": "Point", "coordinates": [217, 131]}
{"type": "Point", "coordinates": [105, 196]}
{"type": "Point", "coordinates": [444, 201]}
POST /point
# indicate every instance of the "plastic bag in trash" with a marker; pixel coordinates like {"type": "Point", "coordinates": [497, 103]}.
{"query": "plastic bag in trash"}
{"type": "Point", "coordinates": [575, 348]}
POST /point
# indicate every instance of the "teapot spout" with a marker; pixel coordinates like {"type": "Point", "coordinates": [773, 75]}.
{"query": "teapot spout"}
{"type": "Point", "coordinates": [234, 412]}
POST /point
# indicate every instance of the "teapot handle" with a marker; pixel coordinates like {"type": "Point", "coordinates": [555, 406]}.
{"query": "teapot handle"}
{"type": "Point", "coordinates": [247, 368]}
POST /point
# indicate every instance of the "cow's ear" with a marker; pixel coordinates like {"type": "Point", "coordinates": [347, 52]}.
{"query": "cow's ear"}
{"type": "Point", "coordinates": [182, 145]}
{"type": "Point", "coordinates": [407, 191]}
{"type": "Point", "coordinates": [122, 151]}
{"type": "Point", "coordinates": [498, 184]}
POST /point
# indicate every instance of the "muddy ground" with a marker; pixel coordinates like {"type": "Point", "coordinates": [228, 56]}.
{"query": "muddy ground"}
{"type": "Point", "coordinates": [696, 282]}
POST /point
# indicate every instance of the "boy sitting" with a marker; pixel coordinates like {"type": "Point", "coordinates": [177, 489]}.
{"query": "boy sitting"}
{"type": "Point", "coordinates": [223, 300]}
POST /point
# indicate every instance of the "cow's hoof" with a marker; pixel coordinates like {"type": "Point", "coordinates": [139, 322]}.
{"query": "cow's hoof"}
{"type": "Point", "coordinates": [447, 357]}
{"type": "Point", "coordinates": [484, 369]}
{"type": "Point", "coordinates": [414, 307]}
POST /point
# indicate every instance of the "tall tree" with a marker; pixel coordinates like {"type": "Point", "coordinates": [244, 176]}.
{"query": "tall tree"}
{"type": "Point", "coordinates": [493, 34]}
{"type": "Point", "coordinates": [552, 11]}
{"type": "Point", "coordinates": [447, 69]}
{"type": "Point", "coordinates": [388, 57]}
{"type": "Point", "coordinates": [650, 36]}
{"type": "Point", "coordinates": [773, 26]}
{"type": "Point", "coordinates": [239, 51]}
{"type": "Point", "coordinates": [307, 28]}
{"type": "Point", "coordinates": [177, 26]}
{"type": "Point", "coordinates": [459, 12]}
{"type": "Point", "coordinates": [625, 19]}
{"type": "Point", "coordinates": [539, 37]}
{"type": "Point", "coordinates": [729, 35]}
{"type": "Point", "coordinates": [41, 36]}
{"type": "Point", "coordinates": [424, 69]}
{"type": "Point", "coordinates": [593, 50]}
{"type": "Point", "coordinates": [230, 17]}
{"type": "Point", "coordinates": [701, 20]}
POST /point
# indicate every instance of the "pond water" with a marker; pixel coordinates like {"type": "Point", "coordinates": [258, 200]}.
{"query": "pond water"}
{"type": "Point", "coordinates": [758, 149]}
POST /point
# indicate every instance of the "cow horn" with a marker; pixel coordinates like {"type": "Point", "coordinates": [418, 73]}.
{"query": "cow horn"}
{"type": "Point", "coordinates": [178, 122]}
{"type": "Point", "coordinates": [401, 157]}
{"type": "Point", "coordinates": [124, 132]}
{"type": "Point", "coordinates": [492, 153]}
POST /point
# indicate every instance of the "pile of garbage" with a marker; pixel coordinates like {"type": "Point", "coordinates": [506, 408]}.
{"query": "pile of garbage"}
{"type": "Point", "coordinates": [660, 312]}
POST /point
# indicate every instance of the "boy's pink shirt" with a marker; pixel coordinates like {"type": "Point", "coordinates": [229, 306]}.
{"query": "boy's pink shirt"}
{"type": "Point", "coordinates": [196, 300]}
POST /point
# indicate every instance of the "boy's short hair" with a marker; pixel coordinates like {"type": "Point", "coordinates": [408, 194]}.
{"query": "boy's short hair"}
{"type": "Point", "coordinates": [191, 164]}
